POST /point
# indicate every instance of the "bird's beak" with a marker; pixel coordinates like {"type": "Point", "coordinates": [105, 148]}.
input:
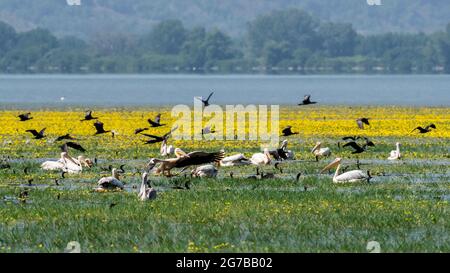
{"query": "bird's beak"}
{"type": "Point", "coordinates": [315, 148]}
{"type": "Point", "coordinates": [70, 159]}
{"type": "Point", "coordinates": [331, 165]}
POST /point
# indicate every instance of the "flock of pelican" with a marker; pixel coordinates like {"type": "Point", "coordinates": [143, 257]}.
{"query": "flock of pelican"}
{"type": "Point", "coordinates": [205, 164]}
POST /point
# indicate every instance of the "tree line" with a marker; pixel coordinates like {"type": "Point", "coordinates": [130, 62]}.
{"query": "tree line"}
{"type": "Point", "coordinates": [282, 42]}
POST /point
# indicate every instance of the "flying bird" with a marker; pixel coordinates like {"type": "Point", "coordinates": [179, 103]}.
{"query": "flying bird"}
{"type": "Point", "coordinates": [205, 102]}
{"type": "Point", "coordinates": [140, 130]}
{"type": "Point", "coordinates": [156, 139]}
{"type": "Point", "coordinates": [424, 130]}
{"type": "Point", "coordinates": [65, 137]}
{"type": "Point", "coordinates": [185, 160]}
{"type": "Point", "coordinates": [25, 117]}
{"type": "Point", "coordinates": [307, 100]}
{"type": "Point", "coordinates": [362, 121]}
{"type": "Point", "coordinates": [36, 134]}
{"type": "Point", "coordinates": [357, 148]}
{"type": "Point", "coordinates": [72, 145]}
{"type": "Point", "coordinates": [208, 130]}
{"type": "Point", "coordinates": [88, 116]}
{"type": "Point", "coordinates": [99, 127]}
{"type": "Point", "coordinates": [157, 122]}
{"type": "Point", "coordinates": [288, 132]}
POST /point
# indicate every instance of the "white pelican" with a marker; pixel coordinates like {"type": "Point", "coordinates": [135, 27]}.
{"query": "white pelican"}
{"type": "Point", "coordinates": [234, 160]}
{"type": "Point", "coordinates": [395, 154]}
{"type": "Point", "coordinates": [207, 171]}
{"type": "Point", "coordinates": [146, 192]}
{"type": "Point", "coordinates": [72, 165]}
{"type": "Point", "coordinates": [55, 165]}
{"type": "Point", "coordinates": [320, 152]}
{"type": "Point", "coordinates": [261, 158]}
{"type": "Point", "coordinates": [166, 149]}
{"type": "Point", "coordinates": [110, 182]}
{"type": "Point", "coordinates": [284, 152]}
{"type": "Point", "coordinates": [350, 176]}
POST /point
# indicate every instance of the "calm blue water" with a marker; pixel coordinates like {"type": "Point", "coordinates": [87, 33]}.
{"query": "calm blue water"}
{"type": "Point", "coordinates": [141, 90]}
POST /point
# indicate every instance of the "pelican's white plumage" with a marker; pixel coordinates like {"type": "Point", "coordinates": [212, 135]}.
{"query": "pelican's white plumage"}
{"type": "Point", "coordinates": [166, 149]}
{"type": "Point", "coordinates": [395, 154]}
{"type": "Point", "coordinates": [55, 165]}
{"type": "Point", "coordinates": [234, 160]}
{"type": "Point", "coordinates": [72, 165]}
{"type": "Point", "coordinates": [261, 158]}
{"type": "Point", "coordinates": [146, 192]}
{"type": "Point", "coordinates": [110, 182]}
{"type": "Point", "coordinates": [347, 177]}
{"type": "Point", "coordinates": [320, 152]}
{"type": "Point", "coordinates": [207, 171]}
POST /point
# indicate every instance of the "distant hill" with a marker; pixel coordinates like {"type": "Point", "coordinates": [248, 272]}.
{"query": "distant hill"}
{"type": "Point", "coordinates": [138, 16]}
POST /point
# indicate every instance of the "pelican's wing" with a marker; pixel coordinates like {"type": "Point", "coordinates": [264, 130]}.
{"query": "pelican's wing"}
{"type": "Point", "coordinates": [197, 158]}
{"type": "Point", "coordinates": [42, 131]}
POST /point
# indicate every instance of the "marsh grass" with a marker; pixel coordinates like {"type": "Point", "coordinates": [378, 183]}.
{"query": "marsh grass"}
{"type": "Point", "coordinates": [405, 207]}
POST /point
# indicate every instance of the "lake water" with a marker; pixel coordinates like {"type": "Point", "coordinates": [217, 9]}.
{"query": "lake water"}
{"type": "Point", "coordinates": [141, 90]}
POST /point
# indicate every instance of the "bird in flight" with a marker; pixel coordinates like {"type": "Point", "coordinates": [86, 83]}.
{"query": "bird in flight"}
{"type": "Point", "coordinates": [288, 132]}
{"type": "Point", "coordinates": [99, 127]}
{"type": "Point", "coordinates": [362, 121]}
{"type": "Point", "coordinates": [185, 160]}
{"type": "Point", "coordinates": [307, 100]}
{"type": "Point", "coordinates": [140, 130]}
{"type": "Point", "coordinates": [72, 145]}
{"type": "Point", "coordinates": [88, 116]}
{"type": "Point", "coordinates": [357, 149]}
{"type": "Point", "coordinates": [25, 116]}
{"type": "Point", "coordinates": [205, 101]}
{"type": "Point", "coordinates": [65, 137]}
{"type": "Point", "coordinates": [156, 139]}
{"type": "Point", "coordinates": [36, 134]}
{"type": "Point", "coordinates": [209, 130]}
{"type": "Point", "coordinates": [157, 122]}
{"type": "Point", "coordinates": [427, 129]}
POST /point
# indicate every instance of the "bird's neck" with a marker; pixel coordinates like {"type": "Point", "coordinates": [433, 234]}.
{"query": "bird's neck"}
{"type": "Point", "coordinates": [337, 170]}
